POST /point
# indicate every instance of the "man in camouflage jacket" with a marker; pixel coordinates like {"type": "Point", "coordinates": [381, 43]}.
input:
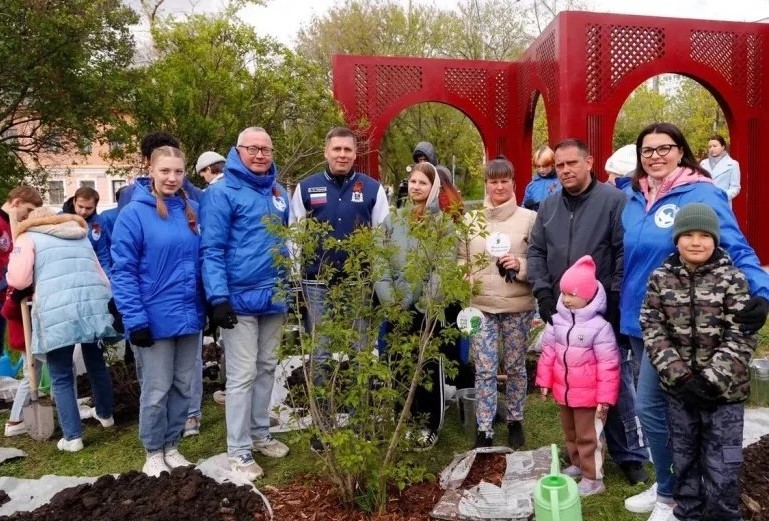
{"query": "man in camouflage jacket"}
{"type": "Point", "coordinates": [702, 358]}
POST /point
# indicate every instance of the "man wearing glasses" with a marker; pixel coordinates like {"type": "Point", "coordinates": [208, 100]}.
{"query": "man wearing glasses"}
{"type": "Point", "coordinates": [585, 219]}
{"type": "Point", "coordinates": [241, 280]}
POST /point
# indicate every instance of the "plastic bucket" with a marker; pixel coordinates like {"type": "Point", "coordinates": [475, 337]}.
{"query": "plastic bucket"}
{"type": "Point", "coordinates": [759, 382]}
{"type": "Point", "coordinates": [466, 400]}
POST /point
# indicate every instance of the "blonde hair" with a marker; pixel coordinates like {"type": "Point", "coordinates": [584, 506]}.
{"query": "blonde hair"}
{"type": "Point", "coordinates": [544, 155]}
{"type": "Point", "coordinates": [168, 151]}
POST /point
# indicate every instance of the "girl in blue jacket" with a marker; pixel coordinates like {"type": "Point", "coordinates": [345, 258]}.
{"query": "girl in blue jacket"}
{"type": "Point", "coordinates": [159, 291]}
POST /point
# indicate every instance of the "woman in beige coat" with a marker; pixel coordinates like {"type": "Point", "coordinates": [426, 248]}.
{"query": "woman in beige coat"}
{"type": "Point", "coordinates": [505, 299]}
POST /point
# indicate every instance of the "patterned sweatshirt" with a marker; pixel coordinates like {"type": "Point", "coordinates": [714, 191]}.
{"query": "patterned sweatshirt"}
{"type": "Point", "coordinates": [688, 325]}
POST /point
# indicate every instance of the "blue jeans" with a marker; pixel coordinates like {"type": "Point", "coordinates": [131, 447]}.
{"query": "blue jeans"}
{"type": "Point", "coordinates": [624, 436]}
{"type": "Point", "coordinates": [196, 388]}
{"type": "Point", "coordinates": [652, 408]}
{"type": "Point", "coordinates": [63, 385]}
{"type": "Point", "coordinates": [166, 370]}
{"type": "Point", "coordinates": [251, 349]}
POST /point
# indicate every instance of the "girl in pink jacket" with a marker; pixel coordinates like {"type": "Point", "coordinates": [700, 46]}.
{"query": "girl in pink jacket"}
{"type": "Point", "coordinates": [580, 364]}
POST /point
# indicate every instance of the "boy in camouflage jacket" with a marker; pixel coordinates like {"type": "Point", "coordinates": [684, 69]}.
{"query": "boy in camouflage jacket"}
{"type": "Point", "coordinates": [702, 358]}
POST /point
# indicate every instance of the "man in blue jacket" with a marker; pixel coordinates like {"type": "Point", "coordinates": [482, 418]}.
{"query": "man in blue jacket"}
{"type": "Point", "coordinates": [241, 280]}
{"type": "Point", "coordinates": [84, 204]}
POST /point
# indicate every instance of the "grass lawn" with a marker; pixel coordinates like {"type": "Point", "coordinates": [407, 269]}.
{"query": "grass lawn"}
{"type": "Point", "coordinates": [118, 450]}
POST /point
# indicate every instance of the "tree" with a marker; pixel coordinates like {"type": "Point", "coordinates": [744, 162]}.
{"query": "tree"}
{"type": "Point", "coordinates": [644, 105]}
{"type": "Point", "coordinates": [697, 113]}
{"type": "Point", "coordinates": [214, 76]}
{"type": "Point", "coordinates": [487, 30]}
{"type": "Point", "coordinates": [62, 78]}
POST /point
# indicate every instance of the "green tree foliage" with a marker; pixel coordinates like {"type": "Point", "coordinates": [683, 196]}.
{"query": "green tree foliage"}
{"type": "Point", "coordinates": [645, 105]}
{"type": "Point", "coordinates": [62, 77]}
{"type": "Point", "coordinates": [697, 113]}
{"type": "Point", "coordinates": [213, 76]}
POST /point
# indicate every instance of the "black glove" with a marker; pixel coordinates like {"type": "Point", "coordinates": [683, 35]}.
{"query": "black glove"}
{"type": "Point", "coordinates": [141, 337]}
{"type": "Point", "coordinates": [612, 311]}
{"type": "Point", "coordinates": [116, 316]}
{"type": "Point", "coordinates": [20, 294]}
{"type": "Point", "coordinates": [509, 274]}
{"type": "Point", "coordinates": [210, 326]}
{"type": "Point", "coordinates": [546, 304]}
{"type": "Point", "coordinates": [753, 315]}
{"type": "Point", "coordinates": [224, 316]}
{"type": "Point", "coordinates": [698, 393]}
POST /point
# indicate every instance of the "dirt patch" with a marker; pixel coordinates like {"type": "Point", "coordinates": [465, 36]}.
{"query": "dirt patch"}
{"type": "Point", "coordinates": [755, 481]}
{"type": "Point", "coordinates": [126, 388]}
{"type": "Point", "coordinates": [183, 495]}
{"type": "Point", "coordinates": [486, 467]}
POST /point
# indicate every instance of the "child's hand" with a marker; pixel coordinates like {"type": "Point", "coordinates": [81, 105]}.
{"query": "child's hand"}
{"type": "Point", "coordinates": [543, 391]}
{"type": "Point", "coordinates": [601, 411]}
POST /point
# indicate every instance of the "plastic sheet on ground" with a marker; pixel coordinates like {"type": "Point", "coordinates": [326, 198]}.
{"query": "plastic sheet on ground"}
{"type": "Point", "coordinates": [7, 453]}
{"type": "Point", "coordinates": [8, 388]}
{"type": "Point", "coordinates": [288, 418]}
{"type": "Point", "coordinates": [756, 424]}
{"type": "Point", "coordinates": [486, 501]}
{"type": "Point", "coordinates": [28, 494]}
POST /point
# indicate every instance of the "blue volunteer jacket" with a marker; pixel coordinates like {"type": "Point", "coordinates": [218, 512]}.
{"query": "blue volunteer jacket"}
{"type": "Point", "coordinates": [649, 240]}
{"type": "Point", "coordinates": [237, 249]}
{"type": "Point", "coordinates": [156, 276]}
{"type": "Point", "coordinates": [126, 196]}
{"type": "Point", "coordinates": [539, 189]}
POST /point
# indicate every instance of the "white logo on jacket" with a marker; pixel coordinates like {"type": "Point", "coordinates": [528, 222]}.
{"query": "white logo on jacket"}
{"type": "Point", "coordinates": [665, 216]}
{"type": "Point", "coordinates": [279, 203]}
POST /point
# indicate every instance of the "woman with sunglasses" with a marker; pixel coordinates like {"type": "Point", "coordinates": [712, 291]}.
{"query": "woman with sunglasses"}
{"type": "Point", "coordinates": [666, 178]}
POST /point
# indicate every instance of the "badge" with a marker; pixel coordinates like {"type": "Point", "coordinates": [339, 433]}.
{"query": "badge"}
{"type": "Point", "coordinates": [279, 203]}
{"type": "Point", "coordinates": [665, 216]}
{"type": "Point", "coordinates": [497, 244]}
{"type": "Point", "coordinates": [96, 232]}
{"type": "Point", "coordinates": [357, 192]}
{"type": "Point", "coordinates": [357, 197]}
{"type": "Point", "coordinates": [5, 242]}
{"type": "Point", "coordinates": [469, 321]}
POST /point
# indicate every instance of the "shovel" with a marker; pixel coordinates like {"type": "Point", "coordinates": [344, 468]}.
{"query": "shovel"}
{"type": "Point", "coordinates": [38, 418]}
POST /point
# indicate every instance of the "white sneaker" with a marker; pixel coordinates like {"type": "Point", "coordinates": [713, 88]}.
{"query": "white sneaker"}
{"type": "Point", "coordinates": [85, 412]}
{"type": "Point", "coordinates": [220, 397]}
{"type": "Point", "coordinates": [662, 512]}
{"type": "Point", "coordinates": [70, 445]}
{"type": "Point", "coordinates": [174, 459]}
{"type": "Point", "coordinates": [643, 502]}
{"type": "Point", "coordinates": [155, 465]}
{"type": "Point", "coordinates": [270, 447]}
{"type": "Point", "coordinates": [105, 422]}
{"type": "Point", "coordinates": [15, 429]}
{"type": "Point", "coordinates": [246, 465]}
{"type": "Point", "coordinates": [572, 471]}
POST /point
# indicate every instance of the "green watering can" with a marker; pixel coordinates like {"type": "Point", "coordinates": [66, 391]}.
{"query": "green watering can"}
{"type": "Point", "coordinates": [556, 497]}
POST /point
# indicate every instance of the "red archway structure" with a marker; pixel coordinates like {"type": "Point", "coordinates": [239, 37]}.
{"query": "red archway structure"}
{"type": "Point", "coordinates": [584, 65]}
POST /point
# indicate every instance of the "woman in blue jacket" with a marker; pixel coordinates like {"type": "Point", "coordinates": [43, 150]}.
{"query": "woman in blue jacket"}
{"type": "Point", "coordinates": [159, 291]}
{"type": "Point", "coordinates": [667, 178]}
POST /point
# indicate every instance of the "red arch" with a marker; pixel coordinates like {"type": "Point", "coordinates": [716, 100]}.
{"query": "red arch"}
{"type": "Point", "coordinates": [584, 65]}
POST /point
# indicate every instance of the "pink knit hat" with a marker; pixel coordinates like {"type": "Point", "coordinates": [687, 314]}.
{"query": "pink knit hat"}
{"type": "Point", "coordinates": [579, 280]}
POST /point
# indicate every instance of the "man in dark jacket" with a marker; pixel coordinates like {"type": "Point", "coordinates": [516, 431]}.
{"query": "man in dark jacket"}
{"type": "Point", "coordinates": [585, 219]}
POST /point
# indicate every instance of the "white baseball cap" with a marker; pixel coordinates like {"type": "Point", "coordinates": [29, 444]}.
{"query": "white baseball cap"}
{"type": "Point", "coordinates": [622, 162]}
{"type": "Point", "coordinates": [207, 159]}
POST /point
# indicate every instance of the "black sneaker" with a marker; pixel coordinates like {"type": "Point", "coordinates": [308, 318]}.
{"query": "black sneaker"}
{"type": "Point", "coordinates": [634, 472]}
{"type": "Point", "coordinates": [484, 439]}
{"type": "Point", "coordinates": [316, 445]}
{"type": "Point", "coordinates": [515, 437]}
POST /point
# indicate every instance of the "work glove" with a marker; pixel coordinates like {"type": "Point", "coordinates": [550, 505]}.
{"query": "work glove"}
{"type": "Point", "coordinates": [224, 316]}
{"type": "Point", "coordinates": [698, 393]}
{"type": "Point", "coordinates": [17, 295]}
{"type": "Point", "coordinates": [210, 326]}
{"type": "Point", "coordinates": [117, 322]}
{"type": "Point", "coordinates": [546, 304]}
{"type": "Point", "coordinates": [508, 274]}
{"type": "Point", "coordinates": [612, 312]}
{"type": "Point", "coordinates": [753, 316]}
{"type": "Point", "coordinates": [141, 337]}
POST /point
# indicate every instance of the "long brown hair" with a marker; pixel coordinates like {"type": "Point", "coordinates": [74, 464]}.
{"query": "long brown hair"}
{"type": "Point", "coordinates": [168, 151]}
{"type": "Point", "coordinates": [449, 198]}
{"type": "Point", "coordinates": [429, 170]}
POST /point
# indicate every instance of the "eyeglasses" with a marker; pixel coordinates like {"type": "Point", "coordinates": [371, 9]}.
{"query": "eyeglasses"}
{"type": "Point", "coordinates": [253, 150]}
{"type": "Point", "coordinates": [661, 150]}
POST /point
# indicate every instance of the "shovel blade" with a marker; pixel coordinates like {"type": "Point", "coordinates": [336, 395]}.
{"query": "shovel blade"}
{"type": "Point", "coordinates": [38, 419]}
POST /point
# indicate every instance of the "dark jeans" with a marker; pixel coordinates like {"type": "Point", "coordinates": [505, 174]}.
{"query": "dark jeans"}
{"type": "Point", "coordinates": [624, 437]}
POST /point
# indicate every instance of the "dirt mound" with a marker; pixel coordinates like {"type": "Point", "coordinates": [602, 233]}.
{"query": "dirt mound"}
{"type": "Point", "coordinates": [183, 495]}
{"type": "Point", "coordinates": [755, 481]}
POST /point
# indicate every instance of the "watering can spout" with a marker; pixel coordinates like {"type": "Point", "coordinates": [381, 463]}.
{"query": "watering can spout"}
{"type": "Point", "coordinates": [556, 497]}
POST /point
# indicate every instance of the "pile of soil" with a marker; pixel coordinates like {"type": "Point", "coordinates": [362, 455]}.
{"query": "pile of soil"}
{"type": "Point", "coordinates": [755, 481]}
{"type": "Point", "coordinates": [183, 495]}
{"type": "Point", "coordinates": [126, 388]}
{"type": "Point", "coordinates": [486, 467]}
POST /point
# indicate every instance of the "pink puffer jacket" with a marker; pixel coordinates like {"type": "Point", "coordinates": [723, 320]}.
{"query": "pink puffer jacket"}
{"type": "Point", "coordinates": [580, 358]}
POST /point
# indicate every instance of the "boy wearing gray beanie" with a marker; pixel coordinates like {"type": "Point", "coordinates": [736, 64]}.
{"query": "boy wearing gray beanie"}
{"type": "Point", "coordinates": [702, 359]}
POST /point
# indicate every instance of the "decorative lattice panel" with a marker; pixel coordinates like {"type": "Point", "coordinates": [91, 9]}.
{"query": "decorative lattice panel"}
{"type": "Point", "coordinates": [716, 50]}
{"type": "Point", "coordinates": [501, 88]}
{"type": "Point", "coordinates": [469, 84]}
{"type": "Point", "coordinates": [548, 67]}
{"type": "Point", "coordinates": [632, 46]}
{"type": "Point", "coordinates": [753, 70]}
{"type": "Point", "coordinates": [361, 81]}
{"type": "Point", "coordinates": [394, 82]}
{"type": "Point", "coordinates": [593, 59]}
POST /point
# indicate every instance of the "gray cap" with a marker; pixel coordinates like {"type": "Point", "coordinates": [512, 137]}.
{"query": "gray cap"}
{"type": "Point", "coordinates": [207, 159]}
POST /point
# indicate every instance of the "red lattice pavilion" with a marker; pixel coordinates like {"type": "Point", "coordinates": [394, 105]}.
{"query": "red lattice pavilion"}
{"type": "Point", "coordinates": [585, 65]}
